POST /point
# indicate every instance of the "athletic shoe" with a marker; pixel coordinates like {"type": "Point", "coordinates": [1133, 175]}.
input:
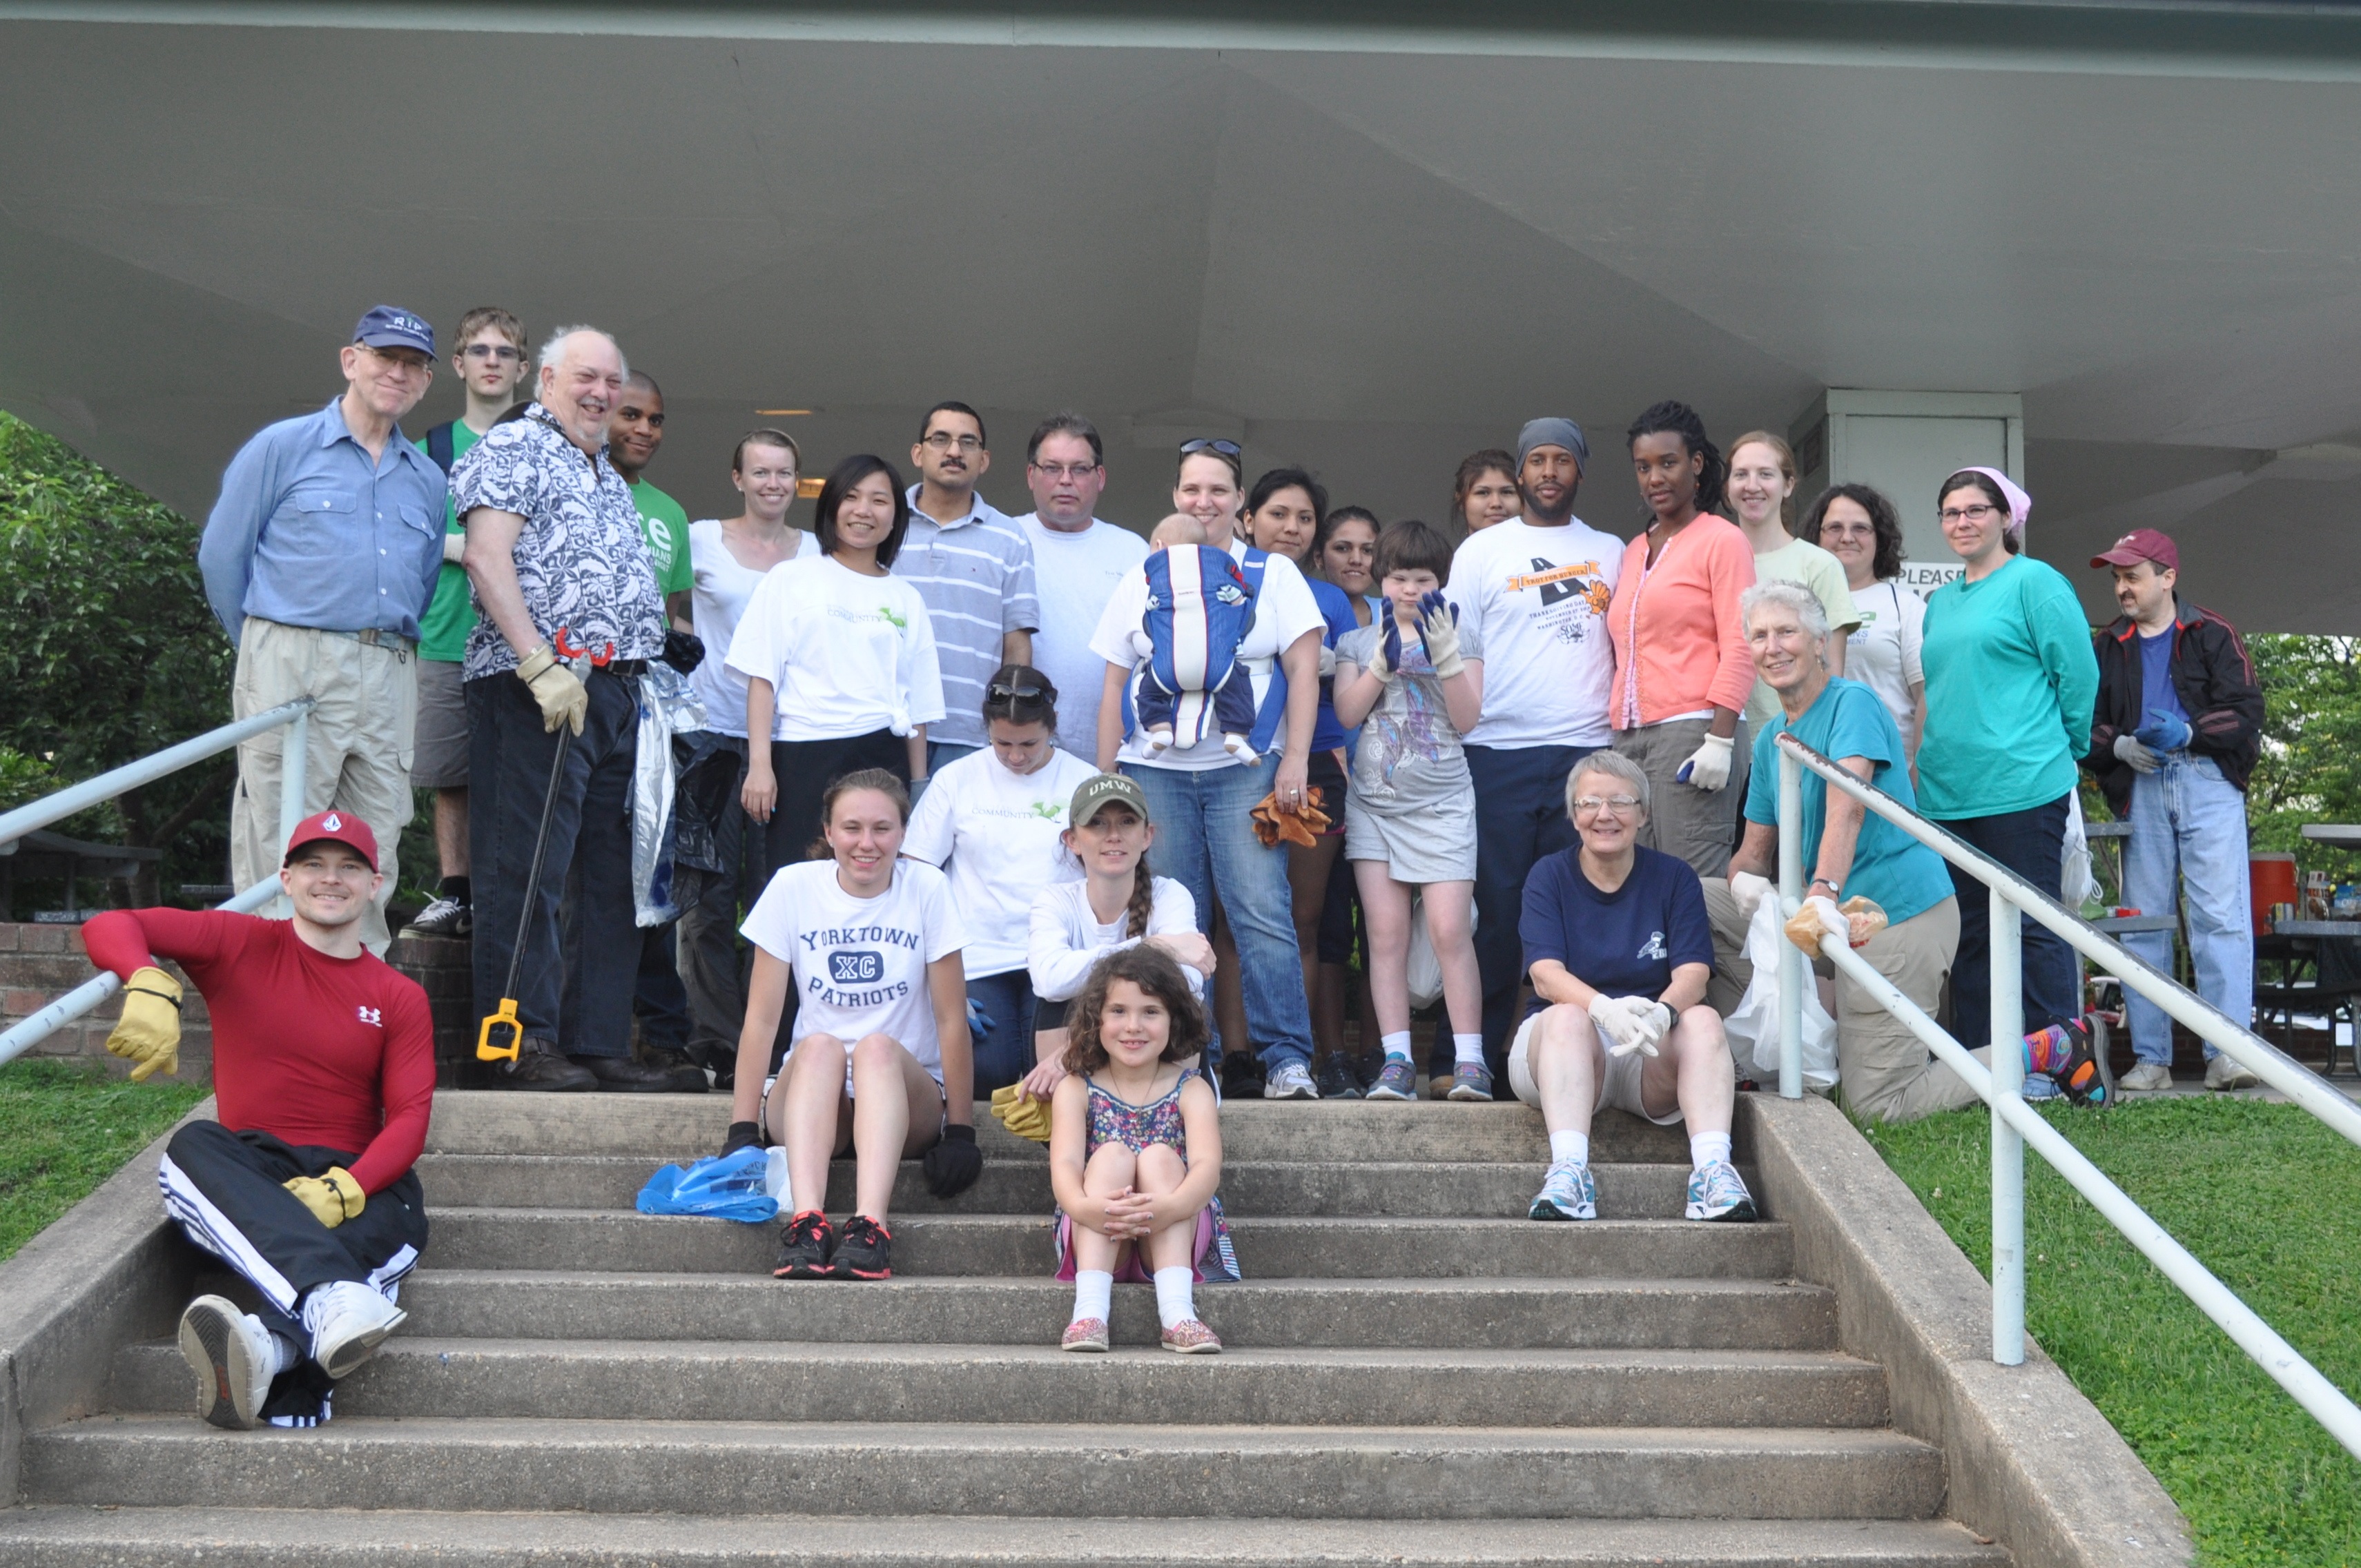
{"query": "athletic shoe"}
{"type": "Point", "coordinates": [1241, 1076]}
{"type": "Point", "coordinates": [2148, 1075]}
{"type": "Point", "coordinates": [1335, 1080]}
{"type": "Point", "coordinates": [2222, 1073]}
{"type": "Point", "coordinates": [443, 917]}
{"type": "Point", "coordinates": [1470, 1080]}
{"type": "Point", "coordinates": [807, 1247]}
{"type": "Point", "coordinates": [347, 1321]}
{"type": "Point", "coordinates": [866, 1252]}
{"type": "Point", "coordinates": [1085, 1334]}
{"type": "Point", "coordinates": [1190, 1337]}
{"type": "Point", "coordinates": [234, 1357]}
{"type": "Point", "coordinates": [1288, 1080]}
{"type": "Point", "coordinates": [1716, 1192]}
{"type": "Point", "coordinates": [1396, 1081]}
{"type": "Point", "coordinates": [1567, 1193]}
{"type": "Point", "coordinates": [683, 1076]}
{"type": "Point", "coordinates": [2082, 1078]}
{"type": "Point", "coordinates": [621, 1075]}
{"type": "Point", "coordinates": [539, 1067]}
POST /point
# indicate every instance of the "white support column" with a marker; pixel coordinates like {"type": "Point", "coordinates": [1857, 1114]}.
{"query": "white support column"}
{"type": "Point", "coordinates": [1905, 444]}
{"type": "Point", "coordinates": [2007, 1143]}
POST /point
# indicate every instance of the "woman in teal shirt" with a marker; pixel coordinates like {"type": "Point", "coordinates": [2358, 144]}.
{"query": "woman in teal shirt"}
{"type": "Point", "coordinates": [2010, 684]}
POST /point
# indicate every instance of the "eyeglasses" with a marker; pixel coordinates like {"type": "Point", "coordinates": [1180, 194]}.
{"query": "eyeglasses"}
{"type": "Point", "coordinates": [1056, 471]}
{"type": "Point", "coordinates": [407, 359]}
{"type": "Point", "coordinates": [1966, 514]}
{"type": "Point", "coordinates": [1620, 804]}
{"type": "Point", "coordinates": [997, 692]}
{"type": "Point", "coordinates": [502, 352]}
{"type": "Point", "coordinates": [1210, 443]}
{"type": "Point", "coordinates": [943, 440]}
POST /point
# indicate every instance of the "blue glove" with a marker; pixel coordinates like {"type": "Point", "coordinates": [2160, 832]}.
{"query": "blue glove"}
{"type": "Point", "coordinates": [2163, 731]}
{"type": "Point", "coordinates": [979, 1023]}
{"type": "Point", "coordinates": [1389, 648]}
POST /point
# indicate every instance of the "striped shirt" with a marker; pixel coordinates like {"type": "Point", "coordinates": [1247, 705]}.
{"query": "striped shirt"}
{"type": "Point", "coordinates": [975, 575]}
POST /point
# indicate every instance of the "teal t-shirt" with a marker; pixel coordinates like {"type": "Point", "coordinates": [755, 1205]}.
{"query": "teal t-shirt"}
{"type": "Point", "coordinates": [1902, 876]}
{"type": "Point", "coordinates": [451, 613]}
{"type": "Point", "coordinates": [667, 527]}
{"type": "Point", "coordinates": [2010, 685]}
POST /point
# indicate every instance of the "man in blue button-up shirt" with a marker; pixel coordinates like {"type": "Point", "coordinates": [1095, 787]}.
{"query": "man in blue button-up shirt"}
{"type": "Point", "coordinates": [319, 559]}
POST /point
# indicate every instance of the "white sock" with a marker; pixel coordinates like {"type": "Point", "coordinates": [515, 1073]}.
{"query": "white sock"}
{"type": "Point", "coordinates": [1574, 1146]}
{"type": "Point", "coordinates": [1469, 1048]}
{"type": "Point", "coordinates": [1707, 1147]}
{"type": "Point", "coordinates": [1397, 1045]}
{"type": "Point", "coordinates": [1093, 1294]}
{"type": "Point", "coordinates": [285, 1352]}
{"type": "Point", "coordinates": [1176, 1300]}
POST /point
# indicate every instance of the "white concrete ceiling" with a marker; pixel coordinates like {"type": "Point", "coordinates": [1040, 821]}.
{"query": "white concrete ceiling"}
{"type": "Point", "coordinates": [1365, 250]}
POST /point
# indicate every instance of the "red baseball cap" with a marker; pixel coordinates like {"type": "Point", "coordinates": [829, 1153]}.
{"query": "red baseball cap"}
{"type": "Point", "coordinates": [341, 827]}
{"type": "Point", "coordinates": [2141, 544]}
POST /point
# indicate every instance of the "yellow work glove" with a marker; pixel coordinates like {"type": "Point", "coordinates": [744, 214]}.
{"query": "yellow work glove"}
{"type": "Point", "coordinates": [333, 1198]}
{"type": "Point", "coordinates": [563, 697]}
{"type": "Point", "coordinates": [148, 1034]}
{"type": "Point", "coordinates": [1025, 1116]}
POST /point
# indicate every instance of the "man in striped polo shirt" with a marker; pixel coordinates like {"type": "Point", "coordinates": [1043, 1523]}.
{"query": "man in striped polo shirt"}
{"type": "Point", "coordinates": [974, 569]}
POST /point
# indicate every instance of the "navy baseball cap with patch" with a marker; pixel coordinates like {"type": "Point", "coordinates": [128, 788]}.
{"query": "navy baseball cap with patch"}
{"type": "Point", "coordinates": [391, 326]}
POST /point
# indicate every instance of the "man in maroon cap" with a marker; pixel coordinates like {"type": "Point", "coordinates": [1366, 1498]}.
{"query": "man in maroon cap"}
{"type": "Point", "coordinates": [2175, 737]}
{"type": "Point", "coordinates": [324, 1076]}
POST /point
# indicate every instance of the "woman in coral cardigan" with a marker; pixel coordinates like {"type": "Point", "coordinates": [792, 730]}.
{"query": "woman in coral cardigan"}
{"type": "Point", "coordinates": [1681, 671]}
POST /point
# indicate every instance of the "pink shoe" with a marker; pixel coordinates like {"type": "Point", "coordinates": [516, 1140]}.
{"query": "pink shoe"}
{"type": "Point", "coordinates": [1190, 1337]}
{"type": "Point", "coordinates": [1086, 1334]}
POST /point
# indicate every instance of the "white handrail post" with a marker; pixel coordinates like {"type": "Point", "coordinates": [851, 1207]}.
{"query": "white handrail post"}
{"type": "Point", "coordinates": [2007, 1143]}
{"type": "Point", "coordinates": [1793, 975]}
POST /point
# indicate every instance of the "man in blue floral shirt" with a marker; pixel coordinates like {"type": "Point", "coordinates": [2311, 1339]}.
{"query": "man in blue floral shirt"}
{"type": "Point", "coordinates": [555, 551]}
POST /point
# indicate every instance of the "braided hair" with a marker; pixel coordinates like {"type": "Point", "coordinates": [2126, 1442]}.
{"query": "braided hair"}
{"type": "Point", "coordinates": [1143, 901]}
{"type": "Point", "coordinates": [1678, 419]}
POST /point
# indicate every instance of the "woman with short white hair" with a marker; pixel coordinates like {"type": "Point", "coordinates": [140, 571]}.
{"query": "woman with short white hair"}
{"type": "Point", "coordinates": [1618, 951]}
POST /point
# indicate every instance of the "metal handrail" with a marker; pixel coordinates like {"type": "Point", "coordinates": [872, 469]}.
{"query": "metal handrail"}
{"type": "Point", "coordinates": [297, 715]}
{"type": "Point", "coordinates": [2015, 1123]}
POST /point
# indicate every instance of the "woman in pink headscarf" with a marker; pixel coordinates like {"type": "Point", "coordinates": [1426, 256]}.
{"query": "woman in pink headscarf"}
{"type": "Point", "coordinates": [2010, 684]}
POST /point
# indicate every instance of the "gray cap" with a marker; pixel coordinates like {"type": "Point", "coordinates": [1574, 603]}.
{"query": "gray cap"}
{"type": "Point", "coordinates": [1101, 790]}
{"type": "Point", "coordinates": [1552, 432]}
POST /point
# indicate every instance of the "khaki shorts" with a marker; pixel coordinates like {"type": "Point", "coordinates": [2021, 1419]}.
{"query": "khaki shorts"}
{"type": "Point", "coordinates": [1620, 1092]}
{"type": "Point", "coordinates": [439, 759]}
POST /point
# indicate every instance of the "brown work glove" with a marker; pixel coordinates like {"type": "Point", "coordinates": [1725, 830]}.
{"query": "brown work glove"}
{"type": "Point", "coordinates": [1857, 920]}
{"type": "Point", "coordinates": [563, 699]}
{"type": "Point", "coordinates": [148, 1034]}
{"type": "Point", "coordinates": [333, 1198]}
{"type": "Point", "coordinates": [1272, 823]}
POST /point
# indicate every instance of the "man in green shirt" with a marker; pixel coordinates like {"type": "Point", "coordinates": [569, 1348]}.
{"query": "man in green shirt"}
{"type": "Point", "coordinates": [489, 355]}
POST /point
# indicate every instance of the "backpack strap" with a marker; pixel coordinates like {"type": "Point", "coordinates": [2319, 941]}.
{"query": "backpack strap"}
{"type": "Point", "coordinates": [438, 446]}
{"type": "Point", "coordinates": [1273, 712]}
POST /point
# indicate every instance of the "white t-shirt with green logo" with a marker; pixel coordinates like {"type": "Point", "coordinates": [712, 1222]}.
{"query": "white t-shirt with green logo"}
{"type": "Point", "coordinates": [846, 653]}
{"type": "Point", "coordinates": [998, 832]}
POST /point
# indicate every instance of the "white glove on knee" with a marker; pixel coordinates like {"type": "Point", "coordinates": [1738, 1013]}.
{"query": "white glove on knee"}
{"type": "Point", "coordinates": [1630, 1023]}
{"type": "Point", "coordinates": [1708, 765]}
{"type": "Point", "coordinates": [1750, 891]}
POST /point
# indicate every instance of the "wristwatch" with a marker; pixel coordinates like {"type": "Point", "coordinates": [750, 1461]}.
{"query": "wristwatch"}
{"type": "Point", "coordinates": [1821, 882]}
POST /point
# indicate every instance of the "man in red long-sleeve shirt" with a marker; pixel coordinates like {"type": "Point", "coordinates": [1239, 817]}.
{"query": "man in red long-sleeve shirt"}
{"type": "Point", "coordinates": [324, 1076]}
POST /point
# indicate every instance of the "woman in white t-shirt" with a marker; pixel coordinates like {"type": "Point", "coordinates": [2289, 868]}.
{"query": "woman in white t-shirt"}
{"type": "Point", "coordinates": [839, 660]}
{"type": "Point", "coordinates": [1116, 902]}
{"type": "Point", "coordinates": [1203, 794]}
{"type": "Point", "coordinates": [731, 557]}
{"type": "Point", "coordinates": [994, 821]}
{"type": "Point", "coordinates": [881, 1061]}
{"type": "Point", "coordinates": [1859, 527]}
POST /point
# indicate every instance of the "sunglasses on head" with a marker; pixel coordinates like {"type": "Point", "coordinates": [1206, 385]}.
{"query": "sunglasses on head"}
{"type": "Point", "coordinates": [1001, 693]}
{"type": "Point", "coordinates": [1210, 443]}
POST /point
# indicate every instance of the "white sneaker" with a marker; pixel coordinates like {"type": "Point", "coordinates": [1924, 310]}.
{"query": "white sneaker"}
{"type": "Point", "coordinates": [347, 1322]}
{"type": "Point", "coordinates": [235, 1358]}
{"type": "Point", "coordinates": [2222, 1073]}
{"type": "Point", "coordinates": [2146, 1075]}
{"type": "Point", "coordinates": [1289, 1080]}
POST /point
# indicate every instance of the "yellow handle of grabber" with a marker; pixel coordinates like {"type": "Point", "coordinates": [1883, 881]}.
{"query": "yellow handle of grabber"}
{"type": "Point", "coordinates": [506, 1018]}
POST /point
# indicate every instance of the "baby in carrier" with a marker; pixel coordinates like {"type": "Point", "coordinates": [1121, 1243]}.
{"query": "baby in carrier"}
{"type": "Point", "coordinates": [1199, 611]}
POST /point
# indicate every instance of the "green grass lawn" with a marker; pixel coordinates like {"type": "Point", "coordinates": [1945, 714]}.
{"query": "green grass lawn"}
{"type": "Point", "coordinates": [2269, 1200]}
{"type": "Point", "coordinates": [64, 1128]}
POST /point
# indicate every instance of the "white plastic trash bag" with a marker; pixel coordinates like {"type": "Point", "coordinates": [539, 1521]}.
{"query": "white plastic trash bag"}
{"type": "Point", "coordinates": [1426, 969]}
{"type": "Point", "coordinates": [1753, 1028]}
{"type": "Point", "coordinates": [668, 707]}
{"type": "Point", "coordinates": [2075, 879]}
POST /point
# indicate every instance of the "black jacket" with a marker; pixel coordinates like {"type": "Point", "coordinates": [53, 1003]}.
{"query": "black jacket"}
{"type": "Point", "coordinates": [2215, 679]}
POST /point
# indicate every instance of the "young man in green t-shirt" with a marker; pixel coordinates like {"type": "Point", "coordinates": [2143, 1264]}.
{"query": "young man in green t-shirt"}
{"type": "Point", "coordinates": [489, 355]}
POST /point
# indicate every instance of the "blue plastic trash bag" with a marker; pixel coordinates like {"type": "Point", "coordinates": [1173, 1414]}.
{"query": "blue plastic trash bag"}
{"type": "Point", "coordinates": [721, 1187]}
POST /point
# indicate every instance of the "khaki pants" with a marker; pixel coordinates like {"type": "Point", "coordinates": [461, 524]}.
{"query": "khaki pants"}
{"type": "Point", "coordinates": [1699, 826]}
{"type": "Point", "coordinates": [357, 754]}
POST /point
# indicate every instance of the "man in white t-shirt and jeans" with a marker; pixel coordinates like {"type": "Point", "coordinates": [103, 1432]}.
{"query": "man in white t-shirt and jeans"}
{"type": "Point", "coordinates": [1535, 588]}
{"type": "Point", "coordinates": [1077, 561]}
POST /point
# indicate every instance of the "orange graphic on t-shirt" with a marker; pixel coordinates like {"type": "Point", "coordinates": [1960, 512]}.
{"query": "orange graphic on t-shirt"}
{"type": "Point", "coordinates": [1523, 580]}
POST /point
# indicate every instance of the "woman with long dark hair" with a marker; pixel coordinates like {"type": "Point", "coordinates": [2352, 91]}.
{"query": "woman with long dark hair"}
{"type": "Point", "coordinates": [1858, 525]}
{"type": "Point", "coordinates": [1484, 491]}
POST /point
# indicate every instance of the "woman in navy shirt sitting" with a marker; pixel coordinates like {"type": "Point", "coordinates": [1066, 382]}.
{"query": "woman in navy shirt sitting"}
{"type": "Point", "coordinates": [1618, 951]}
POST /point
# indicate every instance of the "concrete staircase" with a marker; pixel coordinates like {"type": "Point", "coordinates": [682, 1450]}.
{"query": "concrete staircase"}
{"type": "Point", "coordinates": [1415, 1374]}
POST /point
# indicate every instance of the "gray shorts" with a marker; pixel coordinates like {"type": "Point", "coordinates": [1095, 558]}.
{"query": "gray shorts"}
{"type": "Point", "coordinates": [439, 758]}
{"type": "Point", "coordinates": [1436, 842]}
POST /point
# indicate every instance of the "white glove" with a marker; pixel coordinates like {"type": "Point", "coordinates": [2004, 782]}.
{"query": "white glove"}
{"type": "Point", "coordinates": [1750, 891]}
{"type": "Point", "coordinates": [1655, 1022]}
{"type": "Point", "coordinates": [1708, 765]}
{"type": "Point", "coordinates": [1627, 1023]}
{"type": "Point", "coordinates": [2141, 758]}
{"type": "Point", "coordinates": [454, 545]}
{"type": "Point", "coordinates": [1328, 661]}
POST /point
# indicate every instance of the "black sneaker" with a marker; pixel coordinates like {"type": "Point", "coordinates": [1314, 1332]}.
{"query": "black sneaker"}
{"type": "Point", "coordinates": [1241, 1076]}
{"type": "Point", "coordinates": [621, 1075]}
{"type": "Point", "coordinates": [443, 917]}
{"type": "Point", "coordinates": [866, 1252]}
{"type": "Point", "coordinates": [539, 1067]}
{"type": "Point", "coordinates": [686, 1077]}
{"type": "Point", "coordinates": [1336, 1079]}
{"type": "Point", "coordinates": [807, 1247]}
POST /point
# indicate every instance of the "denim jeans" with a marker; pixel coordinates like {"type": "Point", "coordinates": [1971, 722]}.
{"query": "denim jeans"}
{"type": "Point", "coordinates": [2189, 842]}
{"type": "Point", "coordinates": [1205, 842]}
{"type": "Point", "coordinates": [2032, 843]}
{"type": "Point", "coordinates": [1006, 1053]}
{"type": "Point", "coordinates": [575, 986]}
{"type": "Point", "coordinates": [1520, 816]}
{"type": "Point", "coordinates": [658, 998]}
{"type": "Point", "coordinates": [941, 754]}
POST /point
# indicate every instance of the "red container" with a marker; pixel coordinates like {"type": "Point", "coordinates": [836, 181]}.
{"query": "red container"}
{"type": "Point", "coordinates": [2272, 878]}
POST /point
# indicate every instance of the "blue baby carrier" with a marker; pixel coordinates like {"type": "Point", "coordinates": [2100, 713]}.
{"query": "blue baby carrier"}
{"type": "Point", "coordinates": [1200, 609]}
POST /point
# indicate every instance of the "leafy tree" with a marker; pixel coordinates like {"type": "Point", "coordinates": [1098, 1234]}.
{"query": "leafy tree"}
{"type": "Point", "coordinates": [111, 652]}
{"type": "Point", "coordinates": [2311, 767]}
